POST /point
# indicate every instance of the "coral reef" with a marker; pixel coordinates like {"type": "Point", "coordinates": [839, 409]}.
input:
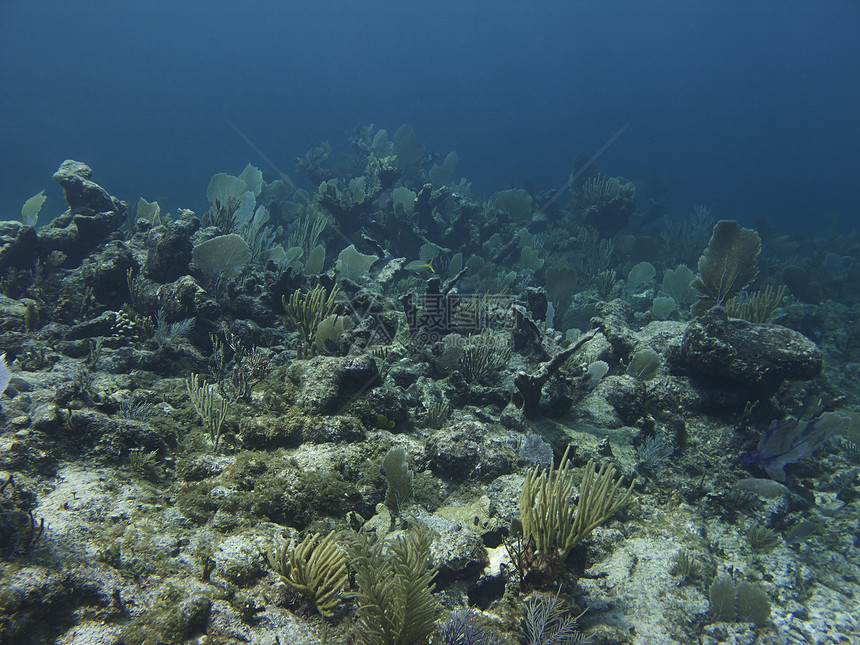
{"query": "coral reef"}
{"type": "Point", "coordinates": [367, 406]}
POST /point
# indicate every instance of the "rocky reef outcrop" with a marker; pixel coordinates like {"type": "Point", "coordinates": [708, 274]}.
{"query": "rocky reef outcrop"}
{"type": "Point", "coordinates": [749, 359]}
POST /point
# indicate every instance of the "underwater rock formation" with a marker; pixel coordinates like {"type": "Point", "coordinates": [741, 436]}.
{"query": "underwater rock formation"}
{"type": "Point", "coordinates": [92, 215]}
{"type": "Point", "coordinates": [473, 374]}
{"type": "Point", "coordinates": [84, 196]}
{"type": "Point", "coordinates": [756, 359]}
{"type": "Point", "coordinates": [19, 244]}
{"type": "Point", "coordinates": [169, 251]}
{"type": "Point", "coordinates": [329, 382]}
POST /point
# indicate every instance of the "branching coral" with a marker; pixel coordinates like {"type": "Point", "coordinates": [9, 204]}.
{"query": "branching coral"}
{"type": "Point", "coordinates": [399, 477]}
{"type": "Point", "coordinates": [315, 568]}
{"type": "Point", "coordinates": [394, 597]}
{"type": "Point", "coordinates": [306, 311]}
{"type": "Point", "coordinates": [483, 355]}
{"type": "Point", "coordinates": [758, 306]}
{"type": "Point", "coordinates": [211, 407]}
{"type": "Point", "coordinates": [553, 524]}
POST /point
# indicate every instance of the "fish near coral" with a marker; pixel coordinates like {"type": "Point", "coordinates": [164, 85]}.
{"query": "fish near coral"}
{"type": "Point", "coordinates": [420, 265]}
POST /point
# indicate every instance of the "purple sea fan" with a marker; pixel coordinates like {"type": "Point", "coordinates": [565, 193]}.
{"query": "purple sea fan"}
{"type": "Point", "coordinates": [787, 442]}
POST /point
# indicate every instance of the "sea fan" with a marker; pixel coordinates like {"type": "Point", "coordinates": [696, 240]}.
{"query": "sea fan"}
{"type": "Point", "coordinates": [5, 373]}
{"type": "Point", "coordinates": [787, 442]}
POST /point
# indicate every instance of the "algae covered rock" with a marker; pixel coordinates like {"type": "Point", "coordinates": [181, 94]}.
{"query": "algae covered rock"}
{"type": "Point", "coordinates": [93, 214]}
{"type": "Point", "coordinates": [606, 203]}
{"type": "Point", "coordinates": [384, 407]}
{"type": "Point", "coordinates": [169, 249]}
{"type": "Point", "coordinates": [106, 273]}
{"type": "Point", "coordinates": [18, 245]}
{"type": "Point", "coordinates": [13, 315]}
{"type": "Point", "coordinates": [459, 553]}
{"type": "Point", "coordinates": [329, 382]}
{"type": "Point", "coordinates": [184, 298]}
{"type": "Point", "coordinates": [83, 195]}
{"type": "Point", "coordinates": [466, 449]}
{"type": "Point", "coordinates": [339, 429]}
{"type": "Point", "coordinates": [616, 322]}
{"type": "Point", "coordinates": [734, 354]}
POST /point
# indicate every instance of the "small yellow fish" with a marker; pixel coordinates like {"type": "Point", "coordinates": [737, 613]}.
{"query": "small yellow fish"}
{"type": "Point", "coordinates": [420, 265]}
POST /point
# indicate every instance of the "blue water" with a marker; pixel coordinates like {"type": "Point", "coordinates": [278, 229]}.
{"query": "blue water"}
{"type": "Point", "coordinates": [751, 108]}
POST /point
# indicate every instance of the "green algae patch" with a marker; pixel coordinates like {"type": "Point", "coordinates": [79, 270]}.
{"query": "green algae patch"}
{"type": "Point", "coordinates": [474, 513]}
